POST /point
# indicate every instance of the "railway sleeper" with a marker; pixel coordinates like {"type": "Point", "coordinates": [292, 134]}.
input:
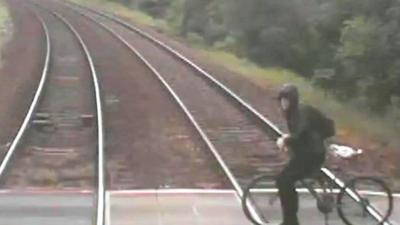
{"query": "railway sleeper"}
{"type": "Point", "coordinates": [42, 115]}
{"type": "Point", "coordinates": [87, 119]}
{"type": "Point", "coordinates": [53, 150]}
{"type": "Point", "coordinates": [44, 125]}
{"type": "Point", "coordinates": [47, 121]}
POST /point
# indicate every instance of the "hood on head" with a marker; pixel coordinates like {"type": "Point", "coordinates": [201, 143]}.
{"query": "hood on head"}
{"type": "Point", "coordinates": [291, 93]}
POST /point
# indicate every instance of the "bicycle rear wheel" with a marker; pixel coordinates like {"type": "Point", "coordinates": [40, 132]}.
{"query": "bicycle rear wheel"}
{"type": "Point", "coordinates": [373, 194]}
{"type": "Point", "coordinates": [260, 202]}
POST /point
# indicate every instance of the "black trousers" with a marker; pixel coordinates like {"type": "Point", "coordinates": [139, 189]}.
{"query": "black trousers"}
{"type": "Point", "coordinates": [299, 167]}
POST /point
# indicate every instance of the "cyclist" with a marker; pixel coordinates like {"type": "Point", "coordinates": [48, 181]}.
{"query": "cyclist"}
{"type": "Point", "coordinates": [305, 143]}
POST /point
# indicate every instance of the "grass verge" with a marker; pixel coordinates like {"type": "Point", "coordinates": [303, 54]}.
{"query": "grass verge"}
{"type": "Point", "coordinates": [4, 18]}
{"type": "Point", "coordinates": [351, 120]}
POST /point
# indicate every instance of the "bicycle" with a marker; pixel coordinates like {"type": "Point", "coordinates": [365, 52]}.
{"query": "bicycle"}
{"type": "Point", "coordinates": [328, 196]}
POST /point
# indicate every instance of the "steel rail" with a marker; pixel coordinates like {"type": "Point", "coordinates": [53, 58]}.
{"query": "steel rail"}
{"type": "Point", "coordinates": [32, 109]}
{"type": "Point", "coordinates": [100, 206]}
{"type": "Point", "coordinates": [100, 212]}
{"type": "Point", "coordinates": [263, 120]}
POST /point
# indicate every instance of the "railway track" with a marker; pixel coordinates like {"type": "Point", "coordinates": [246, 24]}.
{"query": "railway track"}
{"type": "Point", "coordinates": [62, 132]}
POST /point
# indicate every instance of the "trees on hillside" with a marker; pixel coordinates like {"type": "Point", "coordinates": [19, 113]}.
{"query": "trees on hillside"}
{"type": "Point", "coordinates": [357, 39]}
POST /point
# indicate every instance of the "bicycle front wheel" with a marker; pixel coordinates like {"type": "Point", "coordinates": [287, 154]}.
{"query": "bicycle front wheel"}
{"type": "Point", "coordinates": [260, 202]}
{"type": "Point", "coordinates": [373, 204]}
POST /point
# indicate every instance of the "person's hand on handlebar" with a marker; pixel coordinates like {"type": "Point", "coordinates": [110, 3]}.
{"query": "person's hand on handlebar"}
{"type": "Point", "coordinates": [281, 142]}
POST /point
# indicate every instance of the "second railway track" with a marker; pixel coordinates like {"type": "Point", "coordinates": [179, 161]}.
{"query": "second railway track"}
{"type": "Point", "coordinates": [59, 144]}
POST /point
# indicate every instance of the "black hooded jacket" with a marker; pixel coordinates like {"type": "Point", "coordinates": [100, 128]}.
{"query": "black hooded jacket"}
{"type": "Point", "coordinates": [302, 121]}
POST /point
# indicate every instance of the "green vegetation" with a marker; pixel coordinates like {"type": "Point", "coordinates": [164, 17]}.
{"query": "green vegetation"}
{"type": "Point", "coordinates": [4, 17]}
{"type": "Point", "coordinates": [122, 11]}
{"type": "Point", "coordinates": [343, 54]}
{"type": "Point", "coordinates": [349, 117]}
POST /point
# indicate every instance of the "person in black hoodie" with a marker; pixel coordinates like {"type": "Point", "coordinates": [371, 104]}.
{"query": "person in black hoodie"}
{"type": "Point", "coordinates": [305, 145]}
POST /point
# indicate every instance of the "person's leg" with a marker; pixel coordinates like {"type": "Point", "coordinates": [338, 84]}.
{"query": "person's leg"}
{"type": "Point", "coordinates": [286, 185]}
{"type": "Point", "coordinates": [298, 168]}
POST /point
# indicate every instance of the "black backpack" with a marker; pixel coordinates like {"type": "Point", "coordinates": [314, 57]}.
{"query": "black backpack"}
{"type": "Point", "coordinates": [324, 125]}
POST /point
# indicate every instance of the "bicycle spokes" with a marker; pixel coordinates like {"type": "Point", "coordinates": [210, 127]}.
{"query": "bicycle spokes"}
{"type": "Point", "coordinates": [374, 197]}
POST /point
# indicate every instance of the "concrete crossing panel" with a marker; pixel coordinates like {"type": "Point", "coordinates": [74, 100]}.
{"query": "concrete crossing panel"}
{"type": "Point", "coordinates": [41, 208]}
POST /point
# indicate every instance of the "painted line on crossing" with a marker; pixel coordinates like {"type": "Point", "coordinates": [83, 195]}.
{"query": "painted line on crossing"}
{"type": "Point", "coordinates": [46, 191]}
{"type": "Point", "coordinates": [172, 191]}
{"type": "Point", "coordinates": [225, 191]}
{"type": "Point", "coordinates": [162, 191]}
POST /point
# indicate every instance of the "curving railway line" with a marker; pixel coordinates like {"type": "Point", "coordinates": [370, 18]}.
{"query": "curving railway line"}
{"type": "Point", "coordinates": [62, 131]}
{"type": "Point", "coordinates": [169, 123]}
